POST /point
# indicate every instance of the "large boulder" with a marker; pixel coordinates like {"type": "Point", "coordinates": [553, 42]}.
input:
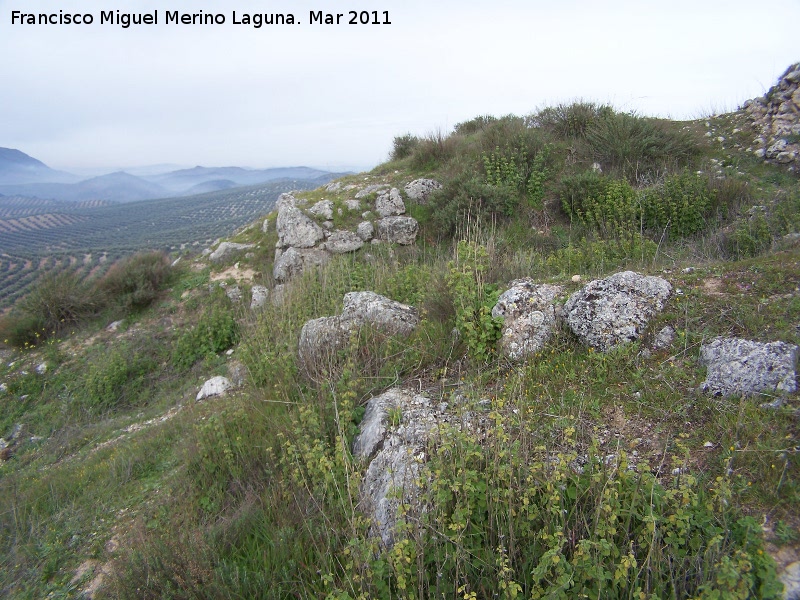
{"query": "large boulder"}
{"type": "Point", "coordinates": [323, 208]}
{"type": "Point", "coordinates": [379, 312]}
{"type": "Point", "coordinates": [613, 311]}
{"type": "Point", "coordinates": [529, 317]}
{"type": "Point", "coordinates": [398, 230]}
{"type": "Point", "coordinates": [227, 249]}
{"type": "Point", "coordinates": [343, 241]}
{"type": "Point", "coordinates": [390, 203]}
{"type": "Point", "coordinates": [365, 230]}
{"type": "Point", "coordinates": [297, 230]}
{"type": "Point", "coordinates": [293, 261]}
{"type": "Point", "coordinates": [394, 436]}
{"type": "Point", "coordinates": [421, 189]}
{"type": "Point", "coordinates": [738, 366]}
{"type": "Point", "coordinates": [321, 339]}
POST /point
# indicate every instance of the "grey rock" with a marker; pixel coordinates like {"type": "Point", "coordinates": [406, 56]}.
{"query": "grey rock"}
{"type": "Point", "coordinates": [334, 186]}
{"type": "Point", "coordinates": [365, 231]}
{"type": "Point", "coordinates": [234, 294]}
{"type": "Point", "coordinates": [228, 249]}
{"type": "Point", "coordinates": [259, 295]}
{"type": "Point", "coordinates": [320, 341]}
{"type": "Point", "coordinates": [297, 230]}
{"type": "Point", "coordinates": [265, 226]}
{"type": "Point", "coordinates": [738, 366]}
{"type": "Point", "coordinates": [3, 388]}
{"type": "Point", "coordinates": [371, 189]}
{"type": "Point", "coordinates": [114, 326]}
{"type": "Point", "coordinates": [664, 338]}
{"type": "Point", "coordinates": [398, 230]}
{"type": "Point", "coordinates": [353, 205]}
{"type": "Point", "coordinates": [294, 261]}
{"type": "Point", "coordinates": [421, 189]}
{"type": "Point", "coordinates": [285, 200]}
{"type": "Point", "coordinates": [341, 242]}
{"type": "Point", "coordinates": [615, 310]}
{"type": "Point", "coordinates": [323, 208]}
{"type": "Point", "coordinates": [278, 295]}
{"type": "Point", "coordinates": [790, 578]}
{"type": "Point", "coordinates": [236, 373]}
{"type": "Point", "coordinates": [529, 317]}
{"type": "Point", "coordinates": [389, 204]}
{"type": "Point", "coordinates": [216, 386]}
{"type": "Point", "coordinates": [380, 312]}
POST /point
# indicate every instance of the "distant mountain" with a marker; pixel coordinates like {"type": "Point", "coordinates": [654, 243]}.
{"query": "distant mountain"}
{"type": "Point", "coordinates": [184, 179]}
{"type": "Point", "coordinates": [18, 168]}
{"type": "Point", "coordinates": [215, 185]}
{"type": "Point", "coordinates": [116, 187]}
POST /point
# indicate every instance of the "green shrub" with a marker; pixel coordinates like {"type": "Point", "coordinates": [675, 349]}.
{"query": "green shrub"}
{"type": "Point", "coordinates": [134, 282]}
{"type": "Point", "coordinates": [636, 147]}
{"type": "Point", "coordinates": [475, 125]}
{"type": "Point", "coordinates": [750, 237]}
{"type": "Point", "coordinates": [215, 331]}
{"type": "Point", "coordinates": [115, 379]}
{"type": "Point", "coordinates": [474, 299]}
{"type": "Point", "coordinates": [568, 121]}
{"type": "Point", "coordinates": [403, 146]}
{"type": "Point", "coordinates": [681, 203]}
{"type": "Point", "coordinates": [56, 302]}
{"type": "Point", "coordinates": [434, 151]}
{"type": "Point", "coordinates": [610, 206]}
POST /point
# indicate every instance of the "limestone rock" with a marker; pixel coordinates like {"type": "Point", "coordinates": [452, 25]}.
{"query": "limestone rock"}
{"type": "Point", "coordinates": [320, 340]}
{"type": "Point", "coordinates": [265, 226]}
{"type": "Point", "coordinates": [790, 578]}
{"type": "Point", "coordinates": [233, 293]}
{"type": "Point", "coordinates": [664, 338]}
{"type": "Point", "coordinates": [216, 386]}
{"type": "Point", "coordinates": [776, 117]}
{"type": "Point", "coordinates": [341, 242]}
{"type": "Point", "coordinates": [365, 231]}
{"type": "Point", "coordinates": [294, 261]}
{"type": "Point", "coordinates": [613, 311]}
{"type": "Point", "coordinates": [421, 189]}
{"type": "Point", "coordinates": [297, 230]}
{"type": "Point", "coordinates": [369, 308]}
{"type": "Point", "coordinates": [389, 204]}
{"type": "Point", "coordinates": [334, 186]}
{"type": "Point", "coordinates": [738, 366]}
{"type": "Point", "coordinates": [397, 451]}
{"type": "Point", "coordinates": [371, 189]}
{"type": "Point", "coordinates": [398, 230]}
{"type": "Point", "coordinates": [228, 249]}
{"type": "Point", "coordinates": [353, 205]}
{"type": "Point", "coordinates": [323, 208]}
{"type": "Point", "coordinates": [258, 296]}
{"type": "Point", "coordinates": [529, 317]}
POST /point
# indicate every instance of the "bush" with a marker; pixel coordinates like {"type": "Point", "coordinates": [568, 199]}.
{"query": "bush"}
{"type": "Point", "coordinates": [569, 121]}
{"type": "Point", "coordinates": [474, 125]}
{"type": "Point", "coordinates": [115, 379]}
{"type": "Point", "coordinates": [681, 203]}
{"type": "Point", "coordinates": [134, 282]}
{"type": "Point", "coordinates": [635, 147]}
{"type": "Point", "coordinates": [57, 302]}
{"type": "Point", "coordinates": [403, 146]}
{"type": "Point", "coordinates": [610, 206]}
{"type": "Point", "coordinates": [216, 331]}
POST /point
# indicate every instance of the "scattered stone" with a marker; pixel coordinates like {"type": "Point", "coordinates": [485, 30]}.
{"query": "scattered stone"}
{"type": "Point", "coordinates": [236, 373]}
{"type": "Point", "coordinates": [371, 189]}
{"type": "Point", "coordinates": [41, 368]}
{"type": "Point", "coordinates": [664, 338]}
{"type": "Point", "coordinates": [529, 317]}
{"type": "Point", "coordinates": [738, 366]}
{"type": "Point", "coordinates": [390, 203]}
{"type": "Point", "coordinates": [258, 296]}
{"type": "Point", "coordinates": [334, 186]}
{"type": "Point", "coordinates": [228, 249]}
{"type": "Point", "coordinates": [323, 208]}
{"type": "Point", "coordinates": [421, 189]}
{"type": "Point", "coordinates": [342, 241]}
{"type": "Point", "coordinates": [352, 205]}
{"type": "Point", "coordinates": [216, 386]}
{"type": "Point", "coordinates": [398, 230]}
{"type": "Point", "coordinates": [265, 226]}
{"type": "Point", "coordinates": [576, 279]}
{"type": "Point", "coordinates": [615, 310]}
{"type": "Point", "coordinates": [790, 578]}
{"type": "Point", "coordinates": [365, 231]}
{"type": "Point", "coordinates": [234, 293]}
{"type": "Point", "coordinates": [3, 388]}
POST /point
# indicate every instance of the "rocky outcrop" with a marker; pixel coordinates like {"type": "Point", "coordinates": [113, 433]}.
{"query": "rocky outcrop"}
{"type": "Point", "coordinates": [390, 204]}
{"type": "Point", "coordinates": [776, 117]}
{"type": "Point", "coordinates": [615, 310]}
{"type": "Point", "coordinates": [303, 243]}
{"type": "Point", "coordinates": [395, 433]}
{"type": "Point", "coordinates": [738, 366]}
{"type": "Point", "coordinates": [227, 249]}
{"type": "Point", "coordinates": [420, 190]}
{"type": "Point", "coordinates": [259, 295]}
{"type": "Point", "coordinates": [529, 317]}
{"type": "Point", "coordinates": [320, 339]}
{"type": "Point", "coordinates": [216, 386]}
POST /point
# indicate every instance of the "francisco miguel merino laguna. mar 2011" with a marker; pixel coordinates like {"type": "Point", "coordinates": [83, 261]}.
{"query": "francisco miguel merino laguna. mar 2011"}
{"type": "Point", "coordinates": [174, 17]}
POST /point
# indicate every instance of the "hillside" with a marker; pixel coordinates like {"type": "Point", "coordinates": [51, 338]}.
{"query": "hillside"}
{"type": "Point", "coordinates": [542, 356]}
{"type": "Point", "coordinates": [18, 167]}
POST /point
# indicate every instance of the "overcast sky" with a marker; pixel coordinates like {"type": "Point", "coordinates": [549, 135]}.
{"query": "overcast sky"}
{"type": "Point", "coordinates": [100, 96]}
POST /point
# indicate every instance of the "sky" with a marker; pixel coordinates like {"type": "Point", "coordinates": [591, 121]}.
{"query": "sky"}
{"type": "Point", "coordinates": [102, 97]}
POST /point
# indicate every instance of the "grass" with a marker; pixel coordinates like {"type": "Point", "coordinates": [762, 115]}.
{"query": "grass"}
{"type": "Point", "coordinates": [607, 475]}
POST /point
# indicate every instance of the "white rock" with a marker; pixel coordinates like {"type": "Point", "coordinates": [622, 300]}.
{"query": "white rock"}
{"type": "Point", "coordinates": [259, 295]}
{"type": "Point", "coordinates": [389, 204]}
{"type": "Point", "coordinates": [398, 230]}
{"type": "Point", "coordinates": [227, 249]}
{"type": "Point", "coordinates": [215, 386]}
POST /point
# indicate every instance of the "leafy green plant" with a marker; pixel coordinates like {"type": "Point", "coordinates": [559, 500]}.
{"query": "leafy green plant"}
{"type": "Point", "coordinates": [681, 203]}
{"type": "Point", "coordinates": [215, 331]}
{"type": "Point", "coordinates": [568, 121]}
{"type": "Point", "coordinates": [115, 379]}
{"type": "Point", "coordinates": [610, 206]}
{"type": "Point", "coordinates": [133, 283]}
{"type": "Point", "coordinates": [474, 299]}
{"type": "Point", "coordinates": [403, 146]}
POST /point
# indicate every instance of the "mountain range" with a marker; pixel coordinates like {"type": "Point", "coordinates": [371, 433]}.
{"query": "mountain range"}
{"type": "Point", "coordinates": [23, 175]}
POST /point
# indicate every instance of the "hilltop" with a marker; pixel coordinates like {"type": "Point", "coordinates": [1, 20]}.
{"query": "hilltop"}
{"type": "Point", "coordinates": [487, 368]}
